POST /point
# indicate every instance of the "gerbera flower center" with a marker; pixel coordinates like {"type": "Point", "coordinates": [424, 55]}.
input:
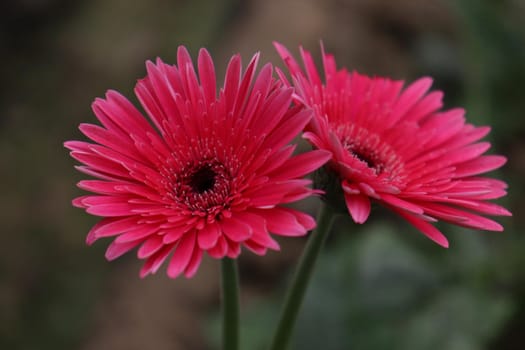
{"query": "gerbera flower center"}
{"type": "Point", "coordinates": [370, 149]}
{"type": "Point", "coordinates": [203, 179]}
{"type": "Point", "coordinates": [366, 156]}
{"type": "Point", "coordinates": [204, 187]}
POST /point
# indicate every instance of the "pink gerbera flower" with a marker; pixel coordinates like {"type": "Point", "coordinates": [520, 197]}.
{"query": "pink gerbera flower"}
{"type": "Point", "coordinates": [396, 147]}
{"type": "Point", "coordinates": [208, 174]}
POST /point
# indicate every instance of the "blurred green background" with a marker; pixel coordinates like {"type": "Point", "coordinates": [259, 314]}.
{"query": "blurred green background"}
{"type": "Point", "coordinates": [380, 285]}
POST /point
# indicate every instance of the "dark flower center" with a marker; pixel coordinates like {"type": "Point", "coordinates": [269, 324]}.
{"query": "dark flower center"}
{"type": "Point", "coordinates": [372, 151]}
{"type": "Point", "coordinates": [368, 159]}
{"type": "Point", "coordinates": [368, 148]}
{"type": "Point", "coordinates": [204, 187]}
{"type": "Point", "coordinates": [203, 179]}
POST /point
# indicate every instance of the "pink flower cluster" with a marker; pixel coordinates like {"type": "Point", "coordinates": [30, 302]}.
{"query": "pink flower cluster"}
{"type": "Point", "coordinates": [212, 171]}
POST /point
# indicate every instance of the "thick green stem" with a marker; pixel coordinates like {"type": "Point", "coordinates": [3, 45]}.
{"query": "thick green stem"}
{"type": "Point", "coordinates": [301, 279]}
{"type": "Point", "coordinates": [230, 304]}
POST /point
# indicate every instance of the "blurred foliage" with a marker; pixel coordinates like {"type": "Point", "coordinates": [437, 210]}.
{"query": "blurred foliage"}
{"type": "Point", "coordinates": [375, 289]}
{"type": "Point", "coordinates": [494, 59]}
{"type": "Point", "coordinates": [386, 294]}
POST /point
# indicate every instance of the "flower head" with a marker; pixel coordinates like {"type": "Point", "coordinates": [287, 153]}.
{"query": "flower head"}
{"type": "Point", "coordinates": [207, 172]}
{"type": "Point", "coordinates": [395, 146]}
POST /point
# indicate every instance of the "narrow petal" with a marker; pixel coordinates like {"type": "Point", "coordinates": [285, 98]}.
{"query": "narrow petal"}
{"type": "Point", "coordinates": [155, 261]}
{"type": "Point", "coordinates": [288, 59]}
{"type": "Point", "coordinates": [358, 206]}
{"type": "Point", "coordinates": [173, 234]}
{"type": "Point", "coordinates": [467, 219]}
{"type": "Point", "coordinates": [194, 263]}
{"type": "Point", "coordinates": [303, 164]}
{"type": "Point", "coordinates": [429, 230]}
{"type": "Point", "coordinates": [282, 222]}
{"type": "Point", "coordinates": [480, 165]}
{"type": "Point", "coordinates": [235, 229]}
{"type": "Point", "coordinates": [207, 75]}
{"type": "Point", "coordinates": [234, 249]}
{"type": "Point", "coordinates": [182, 255]}
{"type": "Point", "coordinates": [288, 130]}
{"type": "Point", "coordinates": [92, 234]}
{"type": "Point", "coordinates": [208, 236]}
{"type": "Point", "coordinates": [111, 210]}
{"type": "Point", "coordinates": [150, 247]}
{"type": "Point", "coordinates": [304, 219]}
{"type": "Point", "coordinates": [256, 248]}
{"type": "Point", "coordinates": [137, 232]}
{"type": "Point", "coordinates": [116, 250]}
{"type": "Point", "coordinates": [220, 249]}
{"type": "Point", "coordinates": [401, 204]}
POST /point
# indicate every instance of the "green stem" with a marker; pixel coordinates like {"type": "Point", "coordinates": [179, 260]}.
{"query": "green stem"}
{"type": "Point", "coordinates": [301, 278]}
{"type": "Point", "coordinates": [230, 304]}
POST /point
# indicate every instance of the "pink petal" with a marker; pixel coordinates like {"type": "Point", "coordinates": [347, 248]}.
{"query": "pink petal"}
{"type": "Point", "coordinates": [234, 249]}
{"type": "Point", "coordinates": [208, 236]}
{"type": "Point", "coordinates": [260, 234]}
{"type": "Point", "coordinates": [207, 75]}
{"type": "Point", "coordinates": [100, 164]}
{"type": "Point", "coordinates": [78, 202]}
{"type": "Point", "coordinates": [91, 236]}
{"type": "Point", "coordinates": [98, 200]}
{"type": "Point", "coordinates": [235, 229]}
{"type": "Point", "coordinates": [155, 261]}
{"type": "Point", "coordinates": [255, 247]}
{"type": "Point", "coordinates": [244, 87]}
{"type": "Point", "coordinates": [108, 139]}
{"type": "Point", "coordinates": [98, 186]}
{"type": "Point", "coordinates": [116, 250]}
{"type": "Point", "coordinates": [303, 164]}
{"type": "Point", "coordinates": [264, 239]}
{"type": "Point", "coordinates": [311, 71]}
{"type": "Point", "coordinates": [480, 165]}
{"type": "Point", "coordinates": [282, 222]}
{"type": "Point", "coordinates": [79, 146]}
{"type": "Point", "coordinates": [467, 219]}
{"type": "Point", "coordinates": [173, 234]}
{"type": "Point", "coordinates": [114, 226]}
{"type": "Point", "coordinates": [220, 249]}
{"type": "Point", "coordinates": [304, 219]}
{"type": "Point", "coordinates": [111, 210]}
{"type": "Point", "coordinates": [231, 81]}
{"type": "Point", "coordinates": [150, 247]}
{"type": "Point", "coordinates": [273, 193]}
{"type": "Point", "coordinates": [95, 173]}
{"type": "Point", "coordinates": [430, 103]}
{"type": "Point", "coordinates": [468, 153]}
{"type": "Point", "coordinates": [288, 59]}
{"type": "Point", "coordinates": [401, 204]}
{"type": "Point", "coordinates": [272, 112]}
{"type": "Point", "coordinates": [120, 111]}
{"type": "Point", "coordinates": [182, 255]}
{"type": "Point", "coordinates": [409, 97]}
{"type": "Point", "coordinates": [429, 230]}
{"type": "Point", "coordinates": [358, 206]}
{"type": "Point", "coordinates": [137, 232]}
{"type": "Point", "coordinates": [274, 160]}
{"type": "Point", "coordinates": [288, 130]}
{"type": "Point", "coordinates": [194, 263]}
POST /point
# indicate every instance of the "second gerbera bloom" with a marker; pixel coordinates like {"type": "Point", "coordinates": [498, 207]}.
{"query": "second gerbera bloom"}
{"type": "Point", "coordinates": [208, 174]}
{"type": "Point", "coordinates": [395, 146]}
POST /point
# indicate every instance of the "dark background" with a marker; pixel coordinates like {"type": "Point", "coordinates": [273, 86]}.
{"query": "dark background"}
{"type": "Point", "coordinates": [380, 285]}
